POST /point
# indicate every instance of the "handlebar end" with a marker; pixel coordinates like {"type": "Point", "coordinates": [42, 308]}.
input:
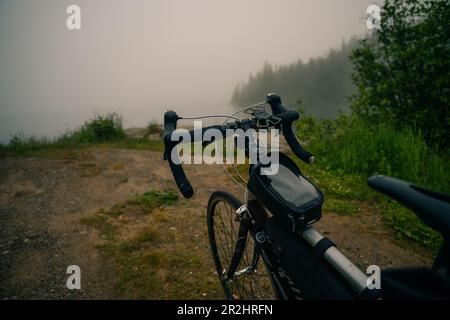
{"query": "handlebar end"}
{"type": "Point", "coordinates": [188, 194]}
{"type": "Point", "coordinates": [273, 99]}
{"type": "Point", "coordinates": [170, 117]}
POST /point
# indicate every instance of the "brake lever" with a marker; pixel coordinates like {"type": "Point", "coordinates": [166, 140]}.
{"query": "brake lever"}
{"type": "Point", "coordinates": [262, 123]}
{"type": "Point", "coordinates": [272, 121]}
{"type": "Point", "coordinates": [275, 123]}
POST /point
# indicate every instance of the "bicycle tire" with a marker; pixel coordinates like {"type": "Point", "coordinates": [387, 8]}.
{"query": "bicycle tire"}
{"type": "Point", "coordinates": [255, 285]}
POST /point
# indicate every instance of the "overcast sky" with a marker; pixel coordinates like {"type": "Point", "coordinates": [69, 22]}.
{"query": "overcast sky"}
{"type": "Point", "coordinates": [141, 57]}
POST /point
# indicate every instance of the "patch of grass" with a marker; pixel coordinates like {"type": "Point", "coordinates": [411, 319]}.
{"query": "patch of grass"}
{"type": "Point", "coordinates": [154, 128]}
{"type": "Point", "coordinates": [348, 151]}
{"type": "Point", "coordinates": [340, 206]}
{"type": "Point", "coordinates": [102, 222]}
{"type": "Point", "coordinates": [160, 217]}
{"type": "Point", "coordinates": [94, 220]}
{"type": "Point", "coordinates": [117, 166]}
{"type": "Point", "coordinates": [154, 198]}
{"type": "Point", "coordinates": [102, 130]}
{"type": "Point", "coordinates": [133, 270]}
{"type": "Point", "coordinates": [148, 235]}
{"type": "Point", "coordinates": [74, 151]}
{"type": "Point", "coordinates": [408, 226]}
{"type": "Point", "coordinates": [155, 274]}
{"type": "Point", "coordinates": [78, 153]}
{"type": "Point", "coordinates": [116, 210]}
{"type": "Point", "coordinates": [352, 146]}
{"type": "Point", "coordinates": [21, 146]}
{"type": "Point", "coordinates": [157, 257]}
{"type": "Point", "coordinates": [138, 144]}
{"type": "Point", "coordinates": [150, 264]}
{"type": "Point", "coordinates": [335, 183]}
{"type": "Point", "coordinates": [123, 180]}
{"type": "Point", "coordinates": [137, 279]}
{"type": "Point", "coordinates": [90, 169]}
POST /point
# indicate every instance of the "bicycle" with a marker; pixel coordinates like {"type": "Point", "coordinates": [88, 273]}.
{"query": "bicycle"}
{"type": "Point", "coordinates": [268, 248]}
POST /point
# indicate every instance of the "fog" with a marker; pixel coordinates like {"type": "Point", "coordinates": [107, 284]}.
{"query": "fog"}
{"type": "Point", "coordinates": [139, 58]}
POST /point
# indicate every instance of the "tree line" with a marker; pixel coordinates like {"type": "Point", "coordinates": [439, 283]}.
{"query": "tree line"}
{"type": "Point", "coordinates": [397, 74]}
{"type": "Point", "coordinates": [320, 86]}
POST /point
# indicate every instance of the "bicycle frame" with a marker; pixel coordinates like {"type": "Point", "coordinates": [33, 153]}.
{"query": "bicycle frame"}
{"type": "Point", "coordinates": [256, 220]}
{"type": "Point", "coordinates": [253, 218]}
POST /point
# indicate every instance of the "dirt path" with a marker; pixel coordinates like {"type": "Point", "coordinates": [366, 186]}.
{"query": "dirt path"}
{"type": "Point", "coordinates": [42, 201]}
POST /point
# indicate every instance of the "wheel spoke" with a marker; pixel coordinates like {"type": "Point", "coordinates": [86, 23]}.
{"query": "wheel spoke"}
{"type": "Point", "coordinates": [228, 241]}
{"type": "Point", "coordinates": [248, 284]}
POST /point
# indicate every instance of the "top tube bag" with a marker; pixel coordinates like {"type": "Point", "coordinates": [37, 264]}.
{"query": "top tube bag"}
{"type": "Point", "coordinates": [293, 200]}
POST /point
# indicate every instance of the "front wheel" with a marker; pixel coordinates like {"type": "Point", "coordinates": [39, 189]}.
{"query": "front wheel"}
{"type": "Point", "coordinates": [228, 239]}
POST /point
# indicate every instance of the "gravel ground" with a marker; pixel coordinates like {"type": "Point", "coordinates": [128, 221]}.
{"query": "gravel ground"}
{"type": "Point", "coordinates": [43, 199]}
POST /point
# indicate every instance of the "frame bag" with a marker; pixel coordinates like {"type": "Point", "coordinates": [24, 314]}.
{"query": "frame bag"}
{"type": "Point", "coordinates": [313, 276]}
{"type": "Point", "coordinates": [293, 200]}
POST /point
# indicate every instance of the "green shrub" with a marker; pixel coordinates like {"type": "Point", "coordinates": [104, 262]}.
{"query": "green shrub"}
{"type": "Point", "coordinates": [353, 146]}
{"type": "Point", "coordinates": [106, 128]}
{"type": "Point", "coordinates": [154, 128]}
{"type": "Point", "coordinates": [101, 128]}
{"type": "Point", "coordinates": [401, 70]}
